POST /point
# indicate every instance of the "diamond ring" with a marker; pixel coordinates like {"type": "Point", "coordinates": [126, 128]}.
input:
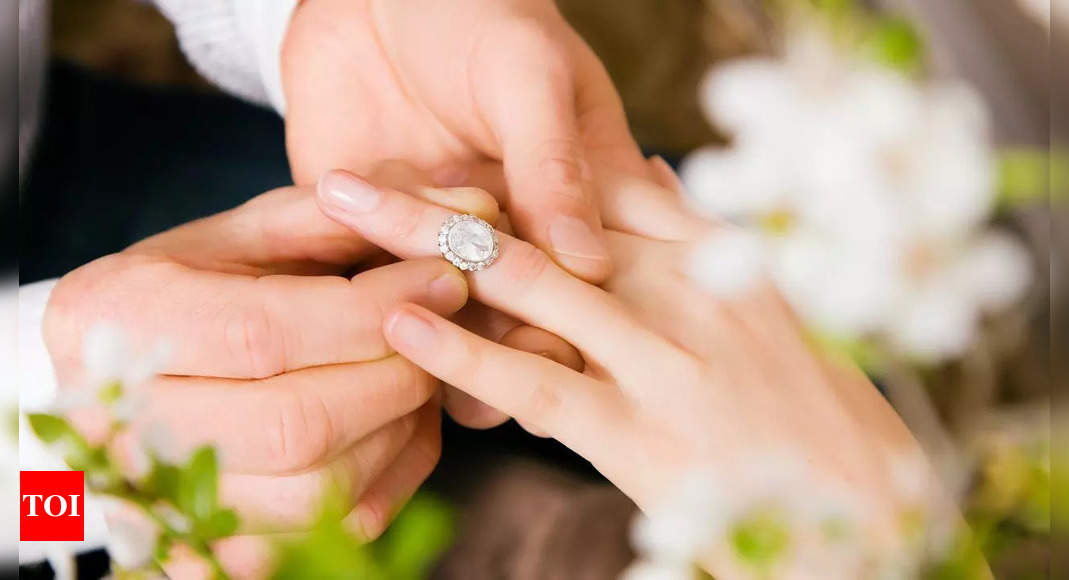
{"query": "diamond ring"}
{"type": "Point", "coordinates": [468, 242]}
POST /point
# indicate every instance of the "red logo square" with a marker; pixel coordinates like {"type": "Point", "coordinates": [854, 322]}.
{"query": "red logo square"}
{"type": "Point", "coordinates": [52, 506]}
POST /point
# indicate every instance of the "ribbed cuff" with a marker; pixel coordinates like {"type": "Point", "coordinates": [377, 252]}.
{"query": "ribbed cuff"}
{"type": "Point", "coordinates": [264, 23]}
{"type": "Point", "coordinates": [236, 44]}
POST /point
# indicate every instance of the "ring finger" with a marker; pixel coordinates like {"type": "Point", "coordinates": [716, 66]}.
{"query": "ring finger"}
{"type": "Point", "coordinates": [523, 281]}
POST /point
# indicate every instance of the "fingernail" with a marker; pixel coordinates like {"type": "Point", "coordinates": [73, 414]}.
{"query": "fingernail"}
{"type": "Point", "coordinates": [346, 192]}
{"type": "Point", "coordinates": [367, 522]}
{"type": "Point", "coordinates": [448, 291]}
{"type": "Point", "coordinates": [412, 331]}
{"type": "Point", "coordinates": [571, 236]}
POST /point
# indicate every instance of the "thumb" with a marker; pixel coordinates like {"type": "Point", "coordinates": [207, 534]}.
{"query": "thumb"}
{"type": "Point", "coordinates": [551, 201]}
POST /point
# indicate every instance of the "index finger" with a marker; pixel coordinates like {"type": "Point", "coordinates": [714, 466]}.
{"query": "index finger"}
{"type": "Point", "coordinates": [225, 325]}
{"type": "Point", "coordinates": [523, 282]}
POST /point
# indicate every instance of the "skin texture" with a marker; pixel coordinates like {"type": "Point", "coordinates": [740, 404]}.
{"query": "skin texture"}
{"type": "Point", "coordinates": [270, 324]}
{"type": "Point", "coordinates": [674, 380]}
{"type": "Point", "coordinates": [452, 86]}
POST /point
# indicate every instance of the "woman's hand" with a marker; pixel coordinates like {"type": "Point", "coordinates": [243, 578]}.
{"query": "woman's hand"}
{"type": "Point", "coordinates": [279, 358]}
{"type": "Point", "coordinates": [675, 379]}
{"type": "Point", "coordinates": [445, 85]}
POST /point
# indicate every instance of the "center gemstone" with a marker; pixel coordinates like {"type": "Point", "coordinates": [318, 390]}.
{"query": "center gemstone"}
{"type": "Point", "coordinates": [471, 241]}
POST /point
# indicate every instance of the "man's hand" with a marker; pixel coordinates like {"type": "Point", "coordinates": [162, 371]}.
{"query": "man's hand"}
{"type": "Point", "coordinates": [279, 360]}
{"type": "Point", "coordinates": [453, 86]}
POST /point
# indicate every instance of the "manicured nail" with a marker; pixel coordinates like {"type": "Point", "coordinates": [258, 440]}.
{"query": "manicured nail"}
{"type": "Point", "coordinates": [571, 236]}
{"type": "Point", "coordinates": [412, 330]}
{"type": "Point", "coordinates": [347, 193]}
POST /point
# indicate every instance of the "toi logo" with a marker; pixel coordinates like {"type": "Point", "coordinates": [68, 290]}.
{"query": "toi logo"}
{"type": "Point", "coordinates": [52, 507]}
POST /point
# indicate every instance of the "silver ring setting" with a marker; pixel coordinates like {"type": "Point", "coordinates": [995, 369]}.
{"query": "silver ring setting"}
{"type": "Point", "coordinates": [468, 242]}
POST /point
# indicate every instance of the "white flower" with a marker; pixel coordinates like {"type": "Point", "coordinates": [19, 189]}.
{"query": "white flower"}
{"type": "Point", "coordinates": [148, 364]}
{"type": "Point", "coordinates": [105, 353]}
{"type": "Point", "coordinates": [678, 530]}
{"type": "Point", "coordinates": [995, 270]}
{"type": "Point", "coordinates": [108, 356]}
{"type": "Point", "coordinates": [178, 522]}
{"type": "Point", "coordinates": [731, 183]}
{"type": "Point", "coordinates": [869, 194]}
{"type": "Point", "coordinates": [942, 302]}
{"type": "Point", "coordinates": [131, 537]}
{"type": "Point", "coordinates": [159, 440]}
{"type": "Point", "coordinates": [109, 362]}
{"type": "Point", "coordinates": [846, 289]}
{"type": "Point", "coordinates": [699, 520]}
{"type": "Point", "coordinates": [728, 262]}
{"type": "Point", "coordinates": [935, 323]}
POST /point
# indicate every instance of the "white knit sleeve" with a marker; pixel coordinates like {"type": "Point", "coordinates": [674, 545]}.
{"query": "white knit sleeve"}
{"type": "Point", "coordinates": [237, 44]}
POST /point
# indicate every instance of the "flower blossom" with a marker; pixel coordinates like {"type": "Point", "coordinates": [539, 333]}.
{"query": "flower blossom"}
{"type": "Point", "coordinates": [777, 521]}
{"type": "Point", "coordinates": [869, 195]}
{"type": "Point", "coordinates": [114, 373]}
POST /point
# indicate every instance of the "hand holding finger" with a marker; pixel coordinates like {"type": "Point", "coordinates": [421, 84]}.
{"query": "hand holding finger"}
{"type": "Point", "coordinates": [522, 282]}
{"type": "Point", "coordinates": [548, 396]}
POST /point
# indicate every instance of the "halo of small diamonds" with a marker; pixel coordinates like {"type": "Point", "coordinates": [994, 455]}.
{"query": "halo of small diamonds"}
{"type": "Point", "coordinates": [468, 242]}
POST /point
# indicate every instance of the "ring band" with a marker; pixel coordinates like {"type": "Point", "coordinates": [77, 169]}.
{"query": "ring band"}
{"type": "Point", "coordinates": [468, 242]}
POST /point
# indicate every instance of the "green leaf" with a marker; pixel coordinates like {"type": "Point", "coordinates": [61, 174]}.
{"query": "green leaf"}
{"type": "Point", "coordinates": [760, 539]}
{"type": "Point", "coordinates": [223, 523]}
{"type": "Point", "coordinates": [50, 428]}
{"type": "Point", "coordinates": [77, 453]}
{"type": "Point", "coordinates": [417, 538]}
{"type": "Point", "coordinates": [964, 561]}
{"type": "Point", "coordinates": [198, 492]}
{"type": "Point", "coordinates": [163, 547]}
{"type": "Point", "coordinates": [110, 392]}
{"type": "Point", "coordinates": [163, 481]}
{"type": "Point", "coordinates": [328, 551]}
{"type": "Point", "coordinates": [864, 353]}
{"type": "Point", "coordinates": [407, 550]}
{"type": "Point", "coordinates": [1026, 176]}
{"type": "Point", "coordinates": [895, 42]}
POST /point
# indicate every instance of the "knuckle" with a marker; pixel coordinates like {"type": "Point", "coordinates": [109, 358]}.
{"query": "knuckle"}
{"type": "Point", "coordinates": [538, 43]}
{"type": "Point", "coordinates": [525, 265]}
{"type": "Point", "coordinates": [299, 432]}
{"type": "Point", "coordinates": [295, 503]}
{"type": "Point", "coordinates": [251, 337]}
{"type": "Point", "coordinates": [529, 39]}
{"type": "Point", "coordinates": [405, 224]}
{"type": "Point", "coordinates": [541, 403]}
{"type": "Point", "coordinates": [408, 383]}
{"type": "Point", "coordinates": [64, 315]}
{"type": "Point", "coordinates": [91, 291]}
{"type": "Point", "coordinates": [559, 165]}
{"type": "Point", "coordinates": [463, 363]}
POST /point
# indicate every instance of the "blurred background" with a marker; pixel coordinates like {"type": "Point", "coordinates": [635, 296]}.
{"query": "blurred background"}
{"type": "Point", "coordinates": [130, 141]}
